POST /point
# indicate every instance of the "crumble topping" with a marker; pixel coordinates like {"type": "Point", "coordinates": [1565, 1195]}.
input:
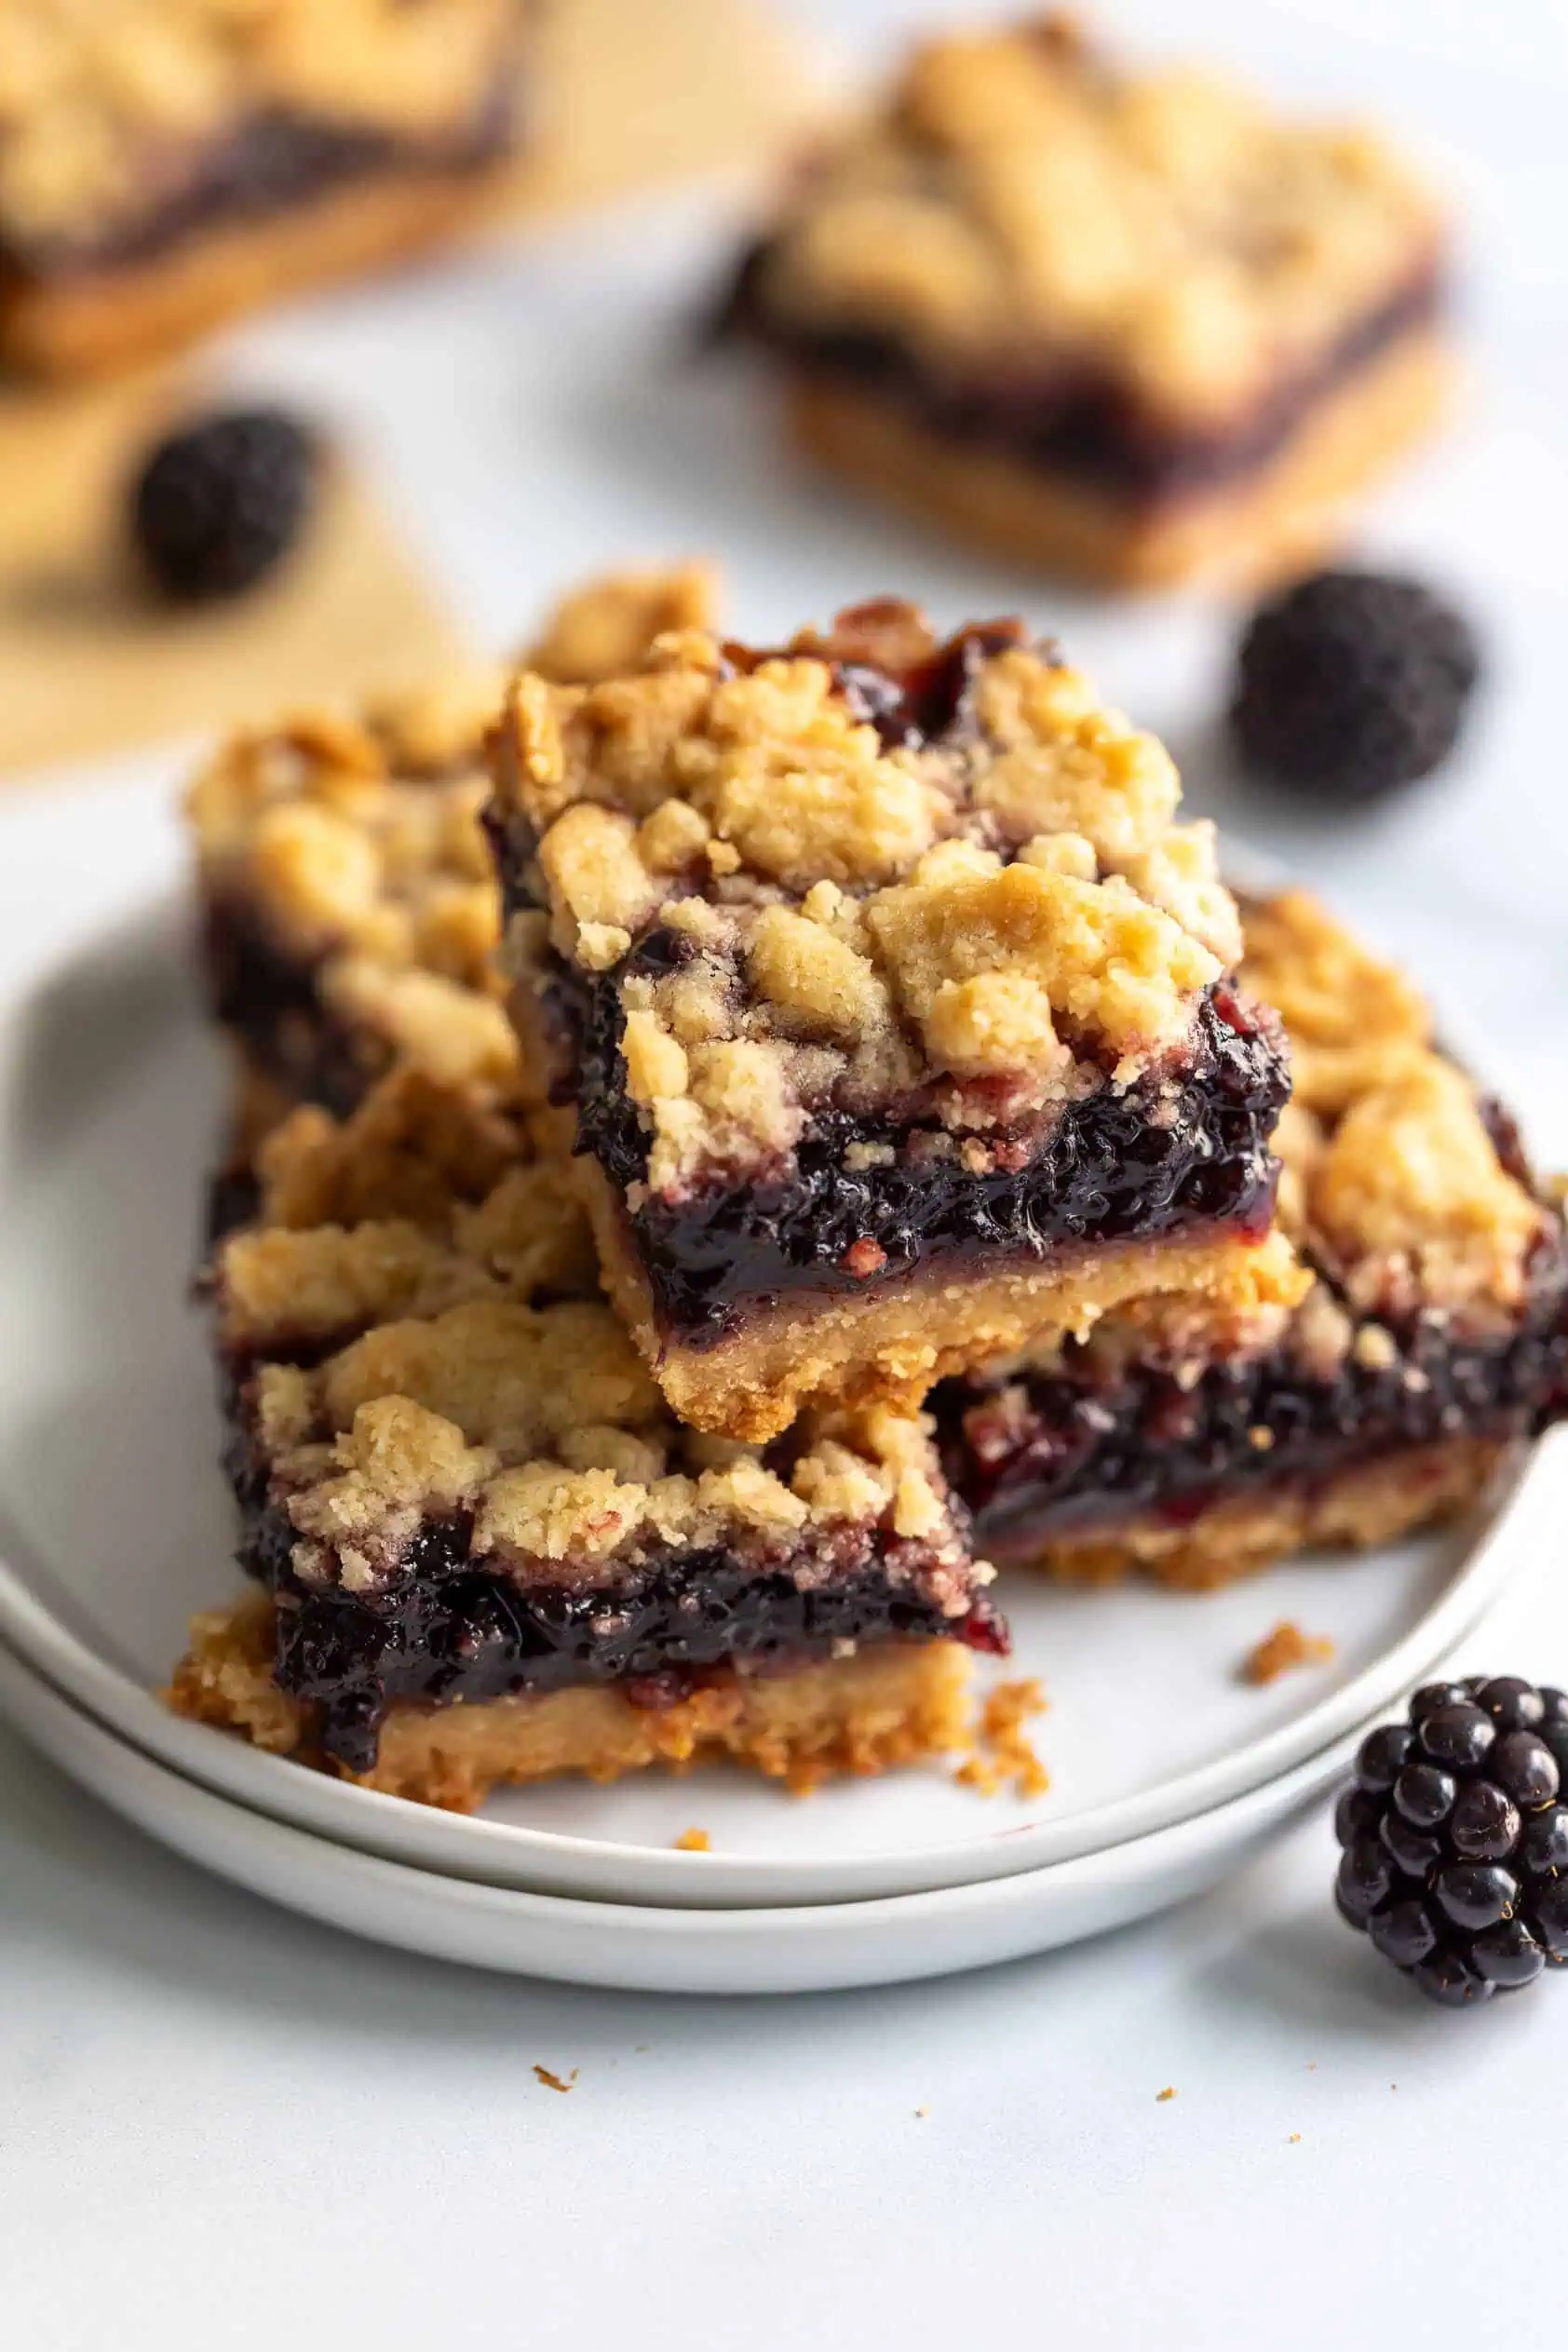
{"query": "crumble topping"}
{"type": "Point", "coordinates": [425, 1197]}
{"type": "Point", "coordinates": [106, 108]}
{"type": "Point", "coordinates": [543, 1424]}
{"type": "Point", "coordinates": [602, 628]}
{"type": "Point", "coordinates": [1412, 1201]}
{"type": "Point", "coordinates": [1001, 912]}
{"type": "Point", "coordinates": [355, 842]}
{"type": "Point", "coordinates": [410, 1149]}
{"type": "Point", "coordinates": [1017, 206]}
{"type": "Point", "coordinates": [1393, 1180]}
{"type": "Point", "coordinates": [1352, 1019]}
{"type": "Point", "coordinates": [472, 1369]}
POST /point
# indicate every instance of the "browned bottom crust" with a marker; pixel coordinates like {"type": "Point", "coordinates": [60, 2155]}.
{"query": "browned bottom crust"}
{"type": "Point", "coordinates": [863, 1714]}
{"type": "Point", "coordinates": [98, 321]}
{"type": "Point", "coordinates": [819, 1351]}
{"type": "Point", "coordinates": [1265, 522]}
{"type": "Point", "coordinates": [1375, 1503]}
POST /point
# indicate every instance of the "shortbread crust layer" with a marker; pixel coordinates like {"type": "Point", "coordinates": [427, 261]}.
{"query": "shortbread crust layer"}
{"type": "Point", "coordinates": [861, 1715]}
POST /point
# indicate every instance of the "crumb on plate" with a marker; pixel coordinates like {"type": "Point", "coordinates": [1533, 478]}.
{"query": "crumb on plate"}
{"type": "Point", "coordinates": [1282, 1650]}
{"type": "Point", "coordinates": [1001, 1750]}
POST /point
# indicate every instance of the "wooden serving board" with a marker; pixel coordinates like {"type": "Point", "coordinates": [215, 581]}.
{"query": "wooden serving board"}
{"type": "Point", "coordinates": [636, 92]}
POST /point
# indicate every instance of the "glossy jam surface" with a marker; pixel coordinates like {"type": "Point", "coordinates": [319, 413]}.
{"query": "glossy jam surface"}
{"type": "Point", "coordinates": [1105, 1169]}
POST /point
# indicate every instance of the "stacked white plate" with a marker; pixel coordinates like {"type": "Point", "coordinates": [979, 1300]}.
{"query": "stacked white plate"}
{"type": "Point", "coordinates": [1166, 1768]}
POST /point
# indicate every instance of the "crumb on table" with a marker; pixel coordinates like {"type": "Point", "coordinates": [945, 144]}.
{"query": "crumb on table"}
{"type": "Point", "coordinates": [1001, 1750]}
{"type": "Point", "coordinates": [554, 2082]}
{"type": "Point", "coordinates": [1282, 1650]}
{"type": "Point", "coordinates": [694, 1842]}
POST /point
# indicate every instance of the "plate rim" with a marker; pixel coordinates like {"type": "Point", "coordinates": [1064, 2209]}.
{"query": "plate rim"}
{"type": "Point", "coordinates": [637, 1946]}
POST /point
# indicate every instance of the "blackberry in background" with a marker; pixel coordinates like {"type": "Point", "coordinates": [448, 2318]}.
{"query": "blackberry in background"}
{"type": "Point", "coordinates": [1350, 684]}
{"type": "Point", "coordinates": [220, 502]}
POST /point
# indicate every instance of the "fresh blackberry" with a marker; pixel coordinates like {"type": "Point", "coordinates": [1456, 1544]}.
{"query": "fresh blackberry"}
{"type": "Point", "coordinates": [220, 502]}
{"type": "Point", "coordinates": [1351, 683]}
{"type": "Point", "coordinates": [1455, 1847]}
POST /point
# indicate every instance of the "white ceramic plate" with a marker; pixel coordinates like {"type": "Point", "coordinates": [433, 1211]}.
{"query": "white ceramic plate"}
{"type": "Point", "coordinates": [805, 1948]}
{"type": "Point", "coordinates": [114, 1522]}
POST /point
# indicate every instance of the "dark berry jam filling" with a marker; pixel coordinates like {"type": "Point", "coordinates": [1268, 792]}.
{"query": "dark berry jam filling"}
{"type": "Point", "coordinates": [1068, 419]}
{"type": "Point", "coordinates": [446, 1629]}
{"type": "Point", "coordinates": [1113, 1167]}
{"type": "Point", "coordinates": [270, 1000]}
{"type": "Point", "coordinates": [1046, 1457]}
{"type": "Point", "coordinates": [276, 158]}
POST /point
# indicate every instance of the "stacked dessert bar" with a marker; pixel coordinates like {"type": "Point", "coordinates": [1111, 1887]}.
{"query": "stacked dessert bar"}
{"type": "Point", "coordinates": [892, 1012]}
{"type": "Point", "coordinates": [875, 1013]}
{"type": "Point", "coordinates": [486, 1549]}
{"type": "Point", "coordinates": [1130, 326]}
{"type": "Point", "coordinates": [881, 1140]}
{"type": "Point", "coordinates": [165, 164]}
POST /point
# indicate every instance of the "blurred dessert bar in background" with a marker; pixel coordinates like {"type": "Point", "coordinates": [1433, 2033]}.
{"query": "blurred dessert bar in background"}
{"type": "Point", "coordinates": [892, 1006]}
{"type": "Point", "coordinates": [484, 1550]}
{"type": "Point", "coordinates": [1130, 326]}
{"type": "Point", "coordinates": [1434, 1336]}
{"type": "Point", "coordinates": [169, 163]}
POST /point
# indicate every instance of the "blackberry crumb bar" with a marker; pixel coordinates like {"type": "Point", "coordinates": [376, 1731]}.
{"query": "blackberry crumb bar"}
{"type": "Point", "coordinates": [1130, 327]}
{"type": "Point", "coordinates": [167, 164]}
{"type": "Point", "coordinates": [1434, 1335]}
{"type": "Point", "coordinates": [348, 906]}
{"type": "Point", "coordinates": [890, 1003]}
{"type": "Point", "coordinates": [486, 1550]}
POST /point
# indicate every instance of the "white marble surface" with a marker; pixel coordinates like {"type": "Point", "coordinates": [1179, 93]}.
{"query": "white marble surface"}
{"type": "Point", "coordinates": [219, 2126]}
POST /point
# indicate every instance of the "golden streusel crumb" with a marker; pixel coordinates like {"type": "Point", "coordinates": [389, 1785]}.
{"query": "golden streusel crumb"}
{"type": "Point", "coordinates": [603, 627]}
{"type": "Point", "coordinates": [1411, 1198]}
{"type": "Point", "coordinates": [1002, 1751]}
{"type": "Point", "coordinates": [1282, 1651]}
{"type": "Point", "coordinates": [1351, 1017]}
